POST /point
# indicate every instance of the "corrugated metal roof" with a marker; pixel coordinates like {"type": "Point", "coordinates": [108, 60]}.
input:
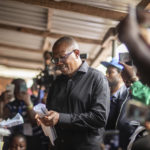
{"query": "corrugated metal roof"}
{"type": "Point", "coordinates": [116, 5]}
{"type": "Point", "coordinates": [21, 39]}
{"type": "Point", "coordinates": [19, 53]}
{"type": "Point", "coordinates": [29, 44]}
{"type": "Point", "coordinates": [71, 23]}
{"type": "Point", "coordinates": [24, 15]}
{"type": "Point", "coordinates": [21, 64]}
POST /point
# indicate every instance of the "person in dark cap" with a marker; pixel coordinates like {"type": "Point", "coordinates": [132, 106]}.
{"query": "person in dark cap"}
{"type": "Point", "coordinates": [120, 95]}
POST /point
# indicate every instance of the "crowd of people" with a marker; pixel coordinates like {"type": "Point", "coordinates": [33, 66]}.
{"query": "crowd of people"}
{"type": "Point", "coordinates": [85, 106]}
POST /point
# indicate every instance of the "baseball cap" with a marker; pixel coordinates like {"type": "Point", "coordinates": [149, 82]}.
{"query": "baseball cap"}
{"type": "Point", "coordinates": [114, 62]}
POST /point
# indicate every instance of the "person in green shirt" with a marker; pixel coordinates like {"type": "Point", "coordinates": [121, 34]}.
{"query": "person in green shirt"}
{"type": "Point", "coordinates": [139, 91]}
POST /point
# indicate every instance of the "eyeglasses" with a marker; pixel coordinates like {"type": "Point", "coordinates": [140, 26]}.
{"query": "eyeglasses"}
{"type": "Point", "coordinates": [56, 60]}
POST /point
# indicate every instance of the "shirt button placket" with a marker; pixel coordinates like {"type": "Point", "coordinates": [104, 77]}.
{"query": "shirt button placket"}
{"type": "Point", "coordinates": [69, 85]}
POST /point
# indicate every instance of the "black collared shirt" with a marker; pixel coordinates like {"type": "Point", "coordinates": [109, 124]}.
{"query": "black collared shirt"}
{"type": "Point", "coordinates": [83, 103]}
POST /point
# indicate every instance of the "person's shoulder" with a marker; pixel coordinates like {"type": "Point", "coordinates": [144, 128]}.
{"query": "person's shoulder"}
{"type": "Point", "coordinates": [59, 77]}
{"type": "Point", "coordinates": [12, 102]}
{"type": "Point", "coordinates": [124, 89]}
{"type": "Point", "coordinates": [96, 73]}
{"type": "Point", "coordinates": [124, 93]}
{"type": "Point", "coordinates": [97, 78]}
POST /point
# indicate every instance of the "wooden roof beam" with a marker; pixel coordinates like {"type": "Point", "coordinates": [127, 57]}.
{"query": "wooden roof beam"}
{"type": "Point", "coordinates": [21, 48]}
{"type": "Point", "coordinates": [143, 4]}
{"type": "Point", "coordinates": [47, 34]}
{"type": "Point", "coordinates": [20, 67]}
{"type": "Point", "coordinates": [79, 8]}
{"type": "Point", "coordinates": [46, 43]}
{"type": "Point", "coordinates": [21, 59]}
{"type": "Point", "coordinates": [104, 51]}
{"type": "Point", "coordinates": [17, 63]}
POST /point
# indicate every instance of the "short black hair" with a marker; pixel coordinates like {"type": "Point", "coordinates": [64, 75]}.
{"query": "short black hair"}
{"type": "Point", "coordinates": [20, 135]}
{"type": "Point", "coordinates": [68, 40]}
{"type": "Point", "coordinates": [17, 83]}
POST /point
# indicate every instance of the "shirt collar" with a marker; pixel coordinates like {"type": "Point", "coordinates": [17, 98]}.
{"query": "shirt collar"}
{"type": "Point", "coordinates": [118, 92]}
{"type": "Point", "coordinates": [84, 67]}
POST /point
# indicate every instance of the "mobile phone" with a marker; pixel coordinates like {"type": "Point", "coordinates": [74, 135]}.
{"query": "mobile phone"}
{"type": "Point", "coordinates": [84, 56]}
{"type": "Point", "coordinates": [125, 58]}
{"type": "Point", "coordinates": [23, 87]}
{"type": "Point", "coordinates": [10, 88]}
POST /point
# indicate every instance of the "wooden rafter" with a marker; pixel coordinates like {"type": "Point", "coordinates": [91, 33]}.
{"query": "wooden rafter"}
{"type": "Point", "coordinates": [20, 67]}
{"type": "Point", "coordinates": [102, 54]}
{"type": "Point", "coordinates": [47, 34]}
{"type": "Point", "coordinates": [46, 43]}
{"type": "Point", "coordinates": [19, 63]}
{"type": "Point", "coordinates": [79, 8]}
{"type": "Point", "coordinates": [20, 48]}
{"type": "Point", "coordinates": [143, 3]}
{"type": "Point", "coordinates": [49, 19]}
{"type": "Point", "coordinates": [21, 59]}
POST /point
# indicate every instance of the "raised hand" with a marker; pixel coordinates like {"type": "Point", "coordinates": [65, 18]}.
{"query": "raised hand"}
{"type": "Point", "coordinates": [51, 119]}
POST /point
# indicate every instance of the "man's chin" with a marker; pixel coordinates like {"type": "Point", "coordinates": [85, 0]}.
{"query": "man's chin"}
{"type": "Point", "coordinates": [111, 84]}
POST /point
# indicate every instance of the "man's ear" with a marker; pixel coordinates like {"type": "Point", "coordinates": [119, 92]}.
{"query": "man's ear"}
{"type": "Point", "coordinates": [77, 52]}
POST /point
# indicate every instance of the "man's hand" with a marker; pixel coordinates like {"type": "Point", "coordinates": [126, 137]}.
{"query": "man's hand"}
{"type": "Point", "coordinates": [134, 25]}
{"type": "Point", "coordinates": [51, 119]}
{"type": "Point", "coordinates": [143, 17]}
{"type": "Point", "coordinates": [128, 28]}
{"type": "Point", "coordinates": [25, 97]}
{"type": "Point", "coordinates": [128, 74]}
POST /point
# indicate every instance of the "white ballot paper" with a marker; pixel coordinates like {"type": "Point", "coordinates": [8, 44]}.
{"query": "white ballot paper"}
{"type": "Point", "coordinates": [41, 110]}
{"type": "Point", "coordinates": [4, 132]}
{"type": "Point", "coordinates": [17, 120]}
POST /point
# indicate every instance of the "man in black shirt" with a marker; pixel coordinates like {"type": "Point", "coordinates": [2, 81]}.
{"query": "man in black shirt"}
{"type": "Point", "coordinates": [78, 100]}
